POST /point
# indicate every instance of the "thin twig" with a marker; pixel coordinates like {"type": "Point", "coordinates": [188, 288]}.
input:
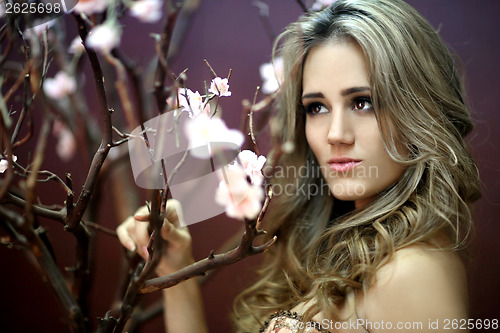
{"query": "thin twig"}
{"type": "Point", "coordinates": [136, 83]}
{"type": "Point", "coordinates": [59, 215]}
{"type": "Point", "coordinates": [164, 45]}
{"type": "Point", "coordinates": [70, 196]}
{"type": "Point", "coordinates": [155, 249]}
{"type": "Point", "coordinates": [37, 163]}
{"type": "Point", "coordinates": [210, 68]}
{"type": "Point", "coordinates": [267, 201]}
{"type": "Point", "coordinates": [99, 157]}
{"type": "Point", "coordinates": [302, 5]}
{"type": "Point", "coordinates": [7, 48]}
{"type": "Point", "coordinates": [99, 227]}
{"type": "Point", "coordinates": [26, 109]}
{"type": "Point", "coordinates": [264, 18]}
{"type": "Point", "coordinates": [50, 176]}
{"type": "Point", "coordinates": [9, 176]}
{"type": "Point", "coordinates": [250, 112]}
{"type": "Point", "coordinates": [121, 87]}
{"type": "Point", "coordinates": [244, 249]}
{"type": "Point", "coordinates": [19, 81]}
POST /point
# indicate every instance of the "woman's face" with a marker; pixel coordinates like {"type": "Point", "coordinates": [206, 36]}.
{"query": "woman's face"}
{"type": "Point", "coordinates": [341, 127]}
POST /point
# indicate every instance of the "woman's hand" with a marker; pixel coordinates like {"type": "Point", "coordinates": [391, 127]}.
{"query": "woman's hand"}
{"type": "Point", "coordinates": [183, 305]}
{"type": "Point", "coordinates": [133, 234]}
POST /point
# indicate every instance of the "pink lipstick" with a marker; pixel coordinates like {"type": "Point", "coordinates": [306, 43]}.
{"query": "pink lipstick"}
{"type": "Point", "coordinates": [342, 164]}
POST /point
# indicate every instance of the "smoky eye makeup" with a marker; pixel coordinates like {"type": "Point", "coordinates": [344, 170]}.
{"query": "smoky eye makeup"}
{"type": "Point", "coordinates": [362, 103]}
{"type": "Point", "coordinates": [314, 108]}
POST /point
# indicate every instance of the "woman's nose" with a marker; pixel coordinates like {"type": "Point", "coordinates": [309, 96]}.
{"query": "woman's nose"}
{"type": "Point", "coordinates": [340, 131]}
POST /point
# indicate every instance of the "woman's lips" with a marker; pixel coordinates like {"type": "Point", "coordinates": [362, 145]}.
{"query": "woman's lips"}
{"type": "Point", "coordinates": [343, 164]}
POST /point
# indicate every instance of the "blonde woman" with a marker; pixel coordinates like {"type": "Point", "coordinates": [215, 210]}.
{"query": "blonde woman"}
{"type": "Point", "coordinates": [375, 108]}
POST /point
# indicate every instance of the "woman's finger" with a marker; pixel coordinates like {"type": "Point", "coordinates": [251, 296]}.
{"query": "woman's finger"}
{"type": "Point", "coordinates": [123, 232]}
{"type": "Point", "coordinates": [173, 213]}
{"type": "Point", "coordinates": [141, 236]}
{"type": "Point", "coordinates": [174, 235]}
{"type": "Point", "coordinates": [142, 214]}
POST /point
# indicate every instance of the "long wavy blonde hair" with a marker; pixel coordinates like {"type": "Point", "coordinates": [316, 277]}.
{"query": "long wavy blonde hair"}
{"type": "Point", "coordinates": [325, 247]}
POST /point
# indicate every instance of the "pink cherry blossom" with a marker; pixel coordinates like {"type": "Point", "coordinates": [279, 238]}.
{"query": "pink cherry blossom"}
{"type": "Point", "coordinates": [240, 199]}
{"type": "Point", "coordinates": [252, 165]}
{"type": "Point", "coordinates": [76, 46]}
{"type": "Point", "coordinates": [61, 85]}
{"type": "Point", "coordinates": [2, 9]}
{"type": "Point", "coordinates": [89, 7]}
{"type": "Point", "coordinates": [104, 37]}
{"type": "Point", "coordinates": [4, 163]}
{"type": "Point", "coordinates": [148, 11]}
{"type": "Point", "coordinates": [206, 109]}
{"type": "Point", "coordinates": [66, 143]}
{"type": "Point", "coordinates": [203, 131]}
{"type": "Point", "coordinates": [192, 102]}
{"type": "Point", "coordinates": [272, 75]}
{"type": "Point", "coordinates": [321, 4]}
{"type": "Point", "coordinates": [219, 87]}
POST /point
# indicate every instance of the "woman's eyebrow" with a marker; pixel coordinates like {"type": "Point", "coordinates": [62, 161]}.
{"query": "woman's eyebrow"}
{"type": "Point", "coordinates": [354, 90]}
{"type": "Point", "coordinates": [345, 92]}
{"type": "Point", "coordinates": [313, 95]}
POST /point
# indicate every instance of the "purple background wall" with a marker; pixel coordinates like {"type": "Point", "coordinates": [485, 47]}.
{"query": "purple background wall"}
{"type": "Point", "coordinates": [230, 35]}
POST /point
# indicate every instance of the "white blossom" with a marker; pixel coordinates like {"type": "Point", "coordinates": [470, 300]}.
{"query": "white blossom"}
{"type": "Point", "coordinates": [76, 46]}
{"type": "Point", "coordinates": [148, 11]}
{"type": "Point", "coordinates": [4, 163]}
{"type": "Point", "coordinates": [104, 37]}
{"type": "Point", "coordinates": [321, 4]}
{"type": "Point", "coordinates": [59, 86]}
{"type": "Point", "coordinates": [66, 142]}
{"type": "Point", "coordinates": [2, 9]}
{"type": "Point", "coordinates": [272, 75]}
{"type": "Point", "coordinates": [219, 87]}
{"type": "Point", "coordinates": [89, 7]}
{"type": "Point", "coordinates": [252, 165]}
{"type": "Point", "coordinates": [207, 136]}
{"type": "Point", "coordinates": [240, 199]}
{"type": "Point", "coordinates": [192, 102]}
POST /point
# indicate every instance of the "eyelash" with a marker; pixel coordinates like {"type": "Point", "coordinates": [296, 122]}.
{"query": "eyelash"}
{"type": "Point", "coordinates": [309, 108]}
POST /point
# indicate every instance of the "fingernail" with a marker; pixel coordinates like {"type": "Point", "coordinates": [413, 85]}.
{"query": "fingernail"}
{"type": "Point", "coordinates": [130, 246]}
{"type": "Point", "coordinates": [145, 250]}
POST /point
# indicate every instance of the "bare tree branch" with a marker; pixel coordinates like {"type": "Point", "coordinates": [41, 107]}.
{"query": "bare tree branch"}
{"type": "Point", "coordinates": [244, 249]}
{"type": "Point", "coordinates": [59, 215]}
{"type": "Point", "coordinates": [100, 155]}
{"type": "Point", "coordinates": [37, 162]}
{"type": "Point", "coordinates": [162, 67]}
{"type": "Point", "coordinates": [155, 249]}
{"type": "Point", "coordinates": [121, 87]}
{"type": "Point", "coordinates": [264, 18]}
{"type": "Point", "coordinates": [302, 5]}
{"type": "Point", "coordinates": [30, 239]}
{"type": "Point", "coordinates": [9, 177]}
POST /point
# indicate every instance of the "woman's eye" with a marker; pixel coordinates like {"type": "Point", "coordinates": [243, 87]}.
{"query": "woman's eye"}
{"type": "Point", "coordinates": [315, 108]}
{"type": "Point", "coordinates": [362, 104]}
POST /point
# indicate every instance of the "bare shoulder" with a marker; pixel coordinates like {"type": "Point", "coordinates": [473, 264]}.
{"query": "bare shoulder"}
{"type": "Point", "coordinates": [419, 284]}
{"type": "Point", "coordinates": [422, 263]}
